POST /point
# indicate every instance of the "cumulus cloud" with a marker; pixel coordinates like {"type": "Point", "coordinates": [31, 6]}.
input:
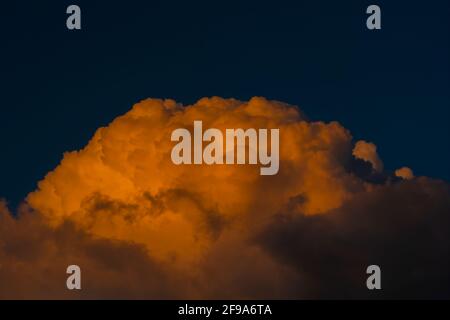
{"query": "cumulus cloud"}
{"type": "Point", "coordinates": [367, 151]}
{"type": "Point", "coordinates": [140, 226]}
{"type": "Point", "coordinates": [124, 186]}
{"type": "Point", "coordinates": [403, 228]}
{"type": "Point", "coordinates": [34, 258]}
{"type": "Point", "coordinates": [404, 173]}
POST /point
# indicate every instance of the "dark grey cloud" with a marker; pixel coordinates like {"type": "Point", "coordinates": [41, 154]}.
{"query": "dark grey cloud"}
{"type": "Point", "coordinates": [403, 228]}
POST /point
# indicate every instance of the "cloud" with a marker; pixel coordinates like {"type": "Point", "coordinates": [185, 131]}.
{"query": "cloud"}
{"type": "Point", "coordinates": [141, 227]}
{"type": "Point", "coordinates": [368, 151]}
{"type": "Point", "coordinates": [404, 173]}
{"type": "Point", "coordinates": [124, 186]}
{"type": "Point", "coordinates": [34, 258]}
{"type": "Point", "coordinates": [403, 228]}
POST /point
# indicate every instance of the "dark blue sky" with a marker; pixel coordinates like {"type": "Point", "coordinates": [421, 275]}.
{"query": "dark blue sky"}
{"type": "Point", "coordinates": [391, 86]}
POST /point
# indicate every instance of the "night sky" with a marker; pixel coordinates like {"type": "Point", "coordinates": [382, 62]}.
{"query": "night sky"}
{"type": "Point", "coordinates": [389, 86]}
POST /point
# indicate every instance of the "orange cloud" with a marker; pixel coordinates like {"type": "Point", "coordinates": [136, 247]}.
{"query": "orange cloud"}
{"type": "Point", "coordinates": [368, 151]}
{"type": "Point", "coordinates": [404, 173]}
{"type": "Point", "coordinates": [193, 231]}
{"type": "Point", "coordinates": [124, 186]}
